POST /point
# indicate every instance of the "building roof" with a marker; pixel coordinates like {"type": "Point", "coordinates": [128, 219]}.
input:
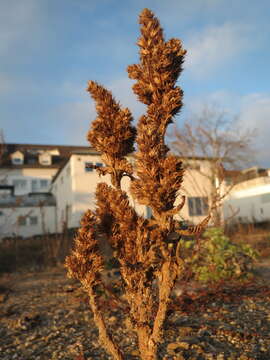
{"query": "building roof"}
{"type": "Point", "coordinates": [32, 151]}
{"type": "Point", "coordinates": [239, 176]}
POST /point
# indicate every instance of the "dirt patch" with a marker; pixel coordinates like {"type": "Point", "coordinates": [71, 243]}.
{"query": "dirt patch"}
{"type": "Point", "coordinates": [45, 316]}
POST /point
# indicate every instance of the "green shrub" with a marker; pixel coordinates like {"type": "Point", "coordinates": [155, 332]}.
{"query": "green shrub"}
{"type": "Point", "coordinates": [215, 258]}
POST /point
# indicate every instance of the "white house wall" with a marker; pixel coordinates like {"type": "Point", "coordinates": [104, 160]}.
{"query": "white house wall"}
{"type": "Point", "coordinates": [84, 186]}
{"type": "Point", "coordinates": [74, 189]}
{"type": "Point", "coordinates": [64, 194]}
{"type": "Point", "coordinates": [194, 185]}
{"type": "Point", "coordinates": [28, 174]}
{"type": "Point", "coordinates": [10, 225]}
{"type": "Point", "coordinates": [249, 201]}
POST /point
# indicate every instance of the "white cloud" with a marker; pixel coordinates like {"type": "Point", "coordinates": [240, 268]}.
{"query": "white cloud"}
{"type": "Point", "coordinates": [216, 46]}
{"type": "Point", "coordinates": [227, 100]}
{"type": "Point", "coordinates": [255, 113]}
{"type": "Point", "coordinates": [122, 91]}
{"type": "Point", "coordinates": [175, 12]}
{"type": "Point", "coordinates": [71, 120]}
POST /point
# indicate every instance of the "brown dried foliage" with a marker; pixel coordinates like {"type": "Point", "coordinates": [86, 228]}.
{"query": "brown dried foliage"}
{"type": "Point", "coordinates": [149, 263]}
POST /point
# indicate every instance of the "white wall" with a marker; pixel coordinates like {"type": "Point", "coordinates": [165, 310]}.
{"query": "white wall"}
{"type": "Point", "coordinates": [10, 224]}
{"type": "Point", "coordinates": [64, 195]}
{"type": "Point", "coordinates": [249, 201]}
{"type": "Point", "coordinates": [74, 190]}
{"type": "Point", "coordinates": [194, 185]}
{"type": "Point", "coordinates": [28, 175]}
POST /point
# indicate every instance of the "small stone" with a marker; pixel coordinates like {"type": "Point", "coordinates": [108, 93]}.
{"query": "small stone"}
{"type": "Point", "coordinates": [112, 319]}
{"type": "Point", "coordinates": [185, 331]}
{"type": "Point", "coordinates": [3, 298]}
{"type": "Point", "coordinates": [135, 352]}
{"type": "Point", "coordinates": [173, 346]}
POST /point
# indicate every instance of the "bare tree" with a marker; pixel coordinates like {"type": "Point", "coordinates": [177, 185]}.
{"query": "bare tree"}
{"type": "Point", "coordinates": [213, 135]}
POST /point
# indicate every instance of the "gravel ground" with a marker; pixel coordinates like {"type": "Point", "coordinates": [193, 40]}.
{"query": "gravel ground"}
{"type": "Point", "coordinates": [46, 316]}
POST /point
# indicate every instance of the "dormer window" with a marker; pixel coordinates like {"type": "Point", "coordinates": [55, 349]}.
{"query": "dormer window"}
{"type": "Point", "coordinates": [45, 159]}
{"type": "Point", "coordinates": [17, 158]}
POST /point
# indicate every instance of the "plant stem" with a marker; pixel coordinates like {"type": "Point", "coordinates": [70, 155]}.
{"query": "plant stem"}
{"type": "Point", "coordinates": [104, 336]}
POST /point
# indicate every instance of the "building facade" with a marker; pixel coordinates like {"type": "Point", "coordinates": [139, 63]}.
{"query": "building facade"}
{"type": "Point", "coordinates": [31, 168]}
{"type": "Point", "coordinates": [63, 172]}
{"type": "Point", "coordinates": [249, 200]}
{"type": "Point", "coordinates": [26, 215]}
{"type": "Point", "coordinates": [26, 171]}
{"type": "Point", "coordinates": [75, 183]}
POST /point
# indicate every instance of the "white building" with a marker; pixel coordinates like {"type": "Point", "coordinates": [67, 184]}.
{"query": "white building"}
{"type": "Point", "coordinates": [75, 183]}
{"type": "Point", "coordinates": [39, 169]}
{"type": "Point", "coordinates": [249, 200]}
{"type": "Point", "coordinates": [31, 168]}
{"type": "Point", "coordinates": [26, 215]}
{"type": "Point", "coordinates": [26, 172]}
{"type": "Point", "coordinates": [74, 188]}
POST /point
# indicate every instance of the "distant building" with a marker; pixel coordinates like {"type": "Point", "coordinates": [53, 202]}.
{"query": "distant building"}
{"type": "Point", "coordinates": [74, 188]}
{"type": "Point", "coordinates": [26, 172]}
{"type": "Point", "coordinates": [26, 215]}
{"type": "Point", "coordinates": [63, 171]}
{"type": "Point", "coordinates": [75, 183]}
{"type": "Point", "coordinates": [249, 199]}
{"type": "Point", "coordinates": [30, 168]}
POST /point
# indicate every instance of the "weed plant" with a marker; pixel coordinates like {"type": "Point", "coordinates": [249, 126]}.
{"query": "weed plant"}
{"type": "Point", "coordinates": [148, 257]}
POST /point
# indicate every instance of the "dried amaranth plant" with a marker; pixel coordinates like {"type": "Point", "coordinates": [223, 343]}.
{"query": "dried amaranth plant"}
{"type": "Point", "coordinates": [149, 261]}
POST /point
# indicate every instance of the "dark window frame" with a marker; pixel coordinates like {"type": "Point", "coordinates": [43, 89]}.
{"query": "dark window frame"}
{"type": "Point", "coordinates": [88, 169]}
{"type": "Point", "coordinates": [22, 221]}
{"type": "Point", "coordinates": [197, 205]}
{"type": "Point", "coordinates": [42, 183]}
{"type": "Point", "coordinates": [33, 220]}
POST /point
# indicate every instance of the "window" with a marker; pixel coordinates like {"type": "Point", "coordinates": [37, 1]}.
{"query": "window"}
{"type": "Point", "coordinates": [19, 183]}
{"type": "Point", "coordinates": [197, 206]}
{"type": "Point", "coordinates": [34, 185]}
{"type": "Point", "coordinates": [228, 181]}
{"type": "Point", "coordinates": [45, 159]}
{"type": "Point", "coordinates": [87, 166]}
{"type": "Point", "coordinates": [99, 164]}
{"type": "Point", "coordinates": [148, 212]}
{"type": "Point", "coordinates": [43, 183]}
{"type": "Point", "coordinates": [22, 220]}
{"type": "Point", "coordinates": [17, 161]}
{"type": "Point", "coordinates": [32, 161]}
{"type": "Point", "coordinates": [33, 220]}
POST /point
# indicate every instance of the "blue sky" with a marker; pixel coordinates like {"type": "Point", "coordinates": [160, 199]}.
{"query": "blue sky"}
{"type": "Point", "coordinates": [49, 49]}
